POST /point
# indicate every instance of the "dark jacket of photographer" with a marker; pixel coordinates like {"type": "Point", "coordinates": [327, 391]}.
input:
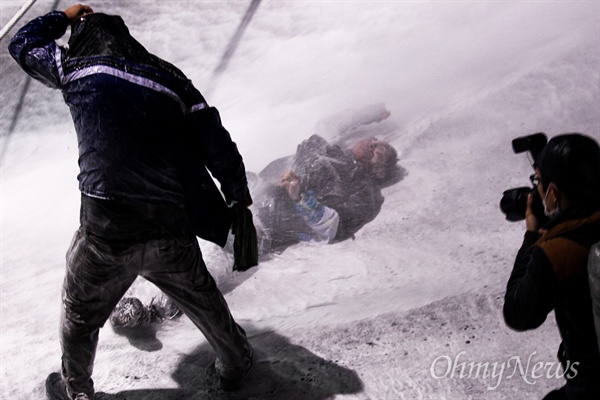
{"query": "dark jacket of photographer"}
{"type": "Point", "coordinates": [135, 116]}
{"type": "Point", "coordinates": [550, 273]}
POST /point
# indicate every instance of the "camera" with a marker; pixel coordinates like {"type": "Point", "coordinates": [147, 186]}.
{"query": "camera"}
{"type": "Point", "coordinates": [514, 201]}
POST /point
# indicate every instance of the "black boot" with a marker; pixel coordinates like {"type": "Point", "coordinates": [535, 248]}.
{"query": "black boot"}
{"type": "Point", "coordinates": [57, 390]}
{"type": "Point", "coordinates": [231, 379]}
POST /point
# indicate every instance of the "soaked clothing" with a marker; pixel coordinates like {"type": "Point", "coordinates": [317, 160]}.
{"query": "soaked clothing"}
{"type": "Point", "coordinates": [146, 139]}
{"type": "Point", "coordinates": [277, 224]}
{"type": "Point", "coordinates": [550, 273]}
{"type": "Point", "coordinates": [335, 180]}
{"type": "Point", "coordinates": [338, 182]}
{"type": "Point", "coordinates": [102, 264]}
{"type": "Point", "coordinates": [134, 114]}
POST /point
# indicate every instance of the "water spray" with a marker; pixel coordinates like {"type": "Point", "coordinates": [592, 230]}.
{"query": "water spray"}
{"type": "Point", "coordinates": [25, 87]}
{"type": "Point", "coordinates": [232, 46]}
{"type": "Point", "coordinates": [16, 18]}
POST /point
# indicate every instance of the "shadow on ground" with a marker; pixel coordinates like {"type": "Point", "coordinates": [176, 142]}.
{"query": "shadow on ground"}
{"type": "Point", "coordinates": [282, 370]}
{"type": "Point", "coordinates": [142, 337]}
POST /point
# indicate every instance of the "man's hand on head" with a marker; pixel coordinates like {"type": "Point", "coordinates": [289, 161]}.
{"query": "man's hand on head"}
{"type": "Point", "coordinates": [77, 11]}
{"type": "Point", "coordinates": [291, 182]}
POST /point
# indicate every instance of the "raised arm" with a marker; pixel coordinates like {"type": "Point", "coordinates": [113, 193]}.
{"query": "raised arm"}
{"type": "Point", "coordinates": [34, 47]}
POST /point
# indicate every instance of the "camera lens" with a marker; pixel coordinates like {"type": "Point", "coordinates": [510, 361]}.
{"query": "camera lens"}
{"type": "Point", "coordinates": [514, 203]}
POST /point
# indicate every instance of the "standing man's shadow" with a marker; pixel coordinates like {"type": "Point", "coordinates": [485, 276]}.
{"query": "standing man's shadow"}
{"type": "Point", "coordinates": [281, 370]}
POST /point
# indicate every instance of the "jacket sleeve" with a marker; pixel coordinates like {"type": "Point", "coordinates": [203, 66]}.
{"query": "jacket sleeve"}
{"type": "Point", "coordinates": [531, 288]}
{"type": "Point", "coordinates": [35, 50]}
{"type": "Point", "coordinates": [220, 154]}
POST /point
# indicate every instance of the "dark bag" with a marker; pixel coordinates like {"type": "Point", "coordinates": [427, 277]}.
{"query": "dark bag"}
{"type": "Point", "coordinates": [245, 243]}
{"type": "Point", "coordinates": [209, 215]}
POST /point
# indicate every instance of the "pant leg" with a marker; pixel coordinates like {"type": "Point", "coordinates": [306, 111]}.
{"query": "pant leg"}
{"type": "Point", "coordinates": [98, 274]}
{"type": "Point", "coordinates": [179, 271]}
{"type": "Point", "coordinates": [594, 280]}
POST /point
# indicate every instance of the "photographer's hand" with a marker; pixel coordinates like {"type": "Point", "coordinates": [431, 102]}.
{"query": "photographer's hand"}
{"type": "Point", "coordinates": [531, 222]}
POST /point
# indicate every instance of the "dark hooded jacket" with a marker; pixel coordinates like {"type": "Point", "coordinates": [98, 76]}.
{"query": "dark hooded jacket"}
{"type": "Point", "coordinates": [550, 273]}
{"type": "Point", "coordinates": [146, 135]}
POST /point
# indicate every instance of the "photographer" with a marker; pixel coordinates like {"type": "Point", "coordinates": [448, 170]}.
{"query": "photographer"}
{"type": "Point", "coordinates": [550, 270]}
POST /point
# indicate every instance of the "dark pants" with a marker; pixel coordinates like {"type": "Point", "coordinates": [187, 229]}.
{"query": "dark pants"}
{"type": "Point", "coordinates": [594, 280]}
{"type": "Point", "coordinates": [100, 270]}
{"type": "Point", "coordinates": [582, 379]}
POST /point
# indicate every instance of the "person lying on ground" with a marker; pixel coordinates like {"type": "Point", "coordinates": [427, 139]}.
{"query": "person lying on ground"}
{"type": "Point", "coordinates": [327, 195]}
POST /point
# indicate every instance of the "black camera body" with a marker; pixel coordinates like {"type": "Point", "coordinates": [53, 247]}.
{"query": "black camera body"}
{"type": "Point", "coordinates": [514, 201]}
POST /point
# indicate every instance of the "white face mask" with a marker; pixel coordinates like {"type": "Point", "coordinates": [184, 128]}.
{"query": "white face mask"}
{"type": "Point", "coordinates": [553, 213]}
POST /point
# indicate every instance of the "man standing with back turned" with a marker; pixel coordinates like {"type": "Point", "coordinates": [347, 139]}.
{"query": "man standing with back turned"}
{"type": "Point", "coordinates": [138, 121]}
